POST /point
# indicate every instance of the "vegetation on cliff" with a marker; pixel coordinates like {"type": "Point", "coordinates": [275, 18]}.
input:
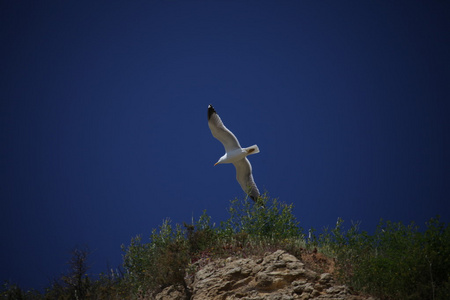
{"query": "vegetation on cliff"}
{"type": "Point", "coordinates": [397, 261]}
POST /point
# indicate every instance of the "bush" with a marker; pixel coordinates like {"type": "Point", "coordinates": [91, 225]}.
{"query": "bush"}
{"type": "Point", "coordinates": [397, 262]}
{"type": "Point", "coordinates": [269, 220]}
{"type": "Point", "coordinates": [158, 264]}
{"type": "Point", "coordinates": [171, 251]}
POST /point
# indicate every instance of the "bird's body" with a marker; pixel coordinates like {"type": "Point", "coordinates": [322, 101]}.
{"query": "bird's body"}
{"type": "Point", "coordinates": [234, 153]}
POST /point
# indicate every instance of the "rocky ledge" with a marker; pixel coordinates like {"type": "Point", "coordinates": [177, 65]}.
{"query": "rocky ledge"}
{"type": "Point", "coordinates": [276, 276]}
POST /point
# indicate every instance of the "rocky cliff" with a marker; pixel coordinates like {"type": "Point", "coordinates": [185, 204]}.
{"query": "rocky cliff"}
{"type": "Point", "coordinates": [274, 276]}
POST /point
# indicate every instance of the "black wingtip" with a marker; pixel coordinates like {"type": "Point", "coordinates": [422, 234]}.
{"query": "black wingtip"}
{"type": "Point", "coordinates": [211, 111]}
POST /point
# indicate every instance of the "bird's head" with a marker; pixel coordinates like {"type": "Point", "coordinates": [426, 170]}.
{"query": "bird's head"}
{"type": "Point", "coordinates": [220, 161]}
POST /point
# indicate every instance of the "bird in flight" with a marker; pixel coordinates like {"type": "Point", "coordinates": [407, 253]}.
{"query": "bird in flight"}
{"type": "Point", "coordinates": [234, 153]}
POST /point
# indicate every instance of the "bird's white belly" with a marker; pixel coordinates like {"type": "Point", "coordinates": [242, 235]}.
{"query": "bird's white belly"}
{"type": "Point", "coordinates": [235, 155]}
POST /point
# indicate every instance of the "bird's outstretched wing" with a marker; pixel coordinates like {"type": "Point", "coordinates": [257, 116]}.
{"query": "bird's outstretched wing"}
{"type": "Point", "coordinates": [220, 132]}
{"type": "Point", "coordinates": [245, 178]}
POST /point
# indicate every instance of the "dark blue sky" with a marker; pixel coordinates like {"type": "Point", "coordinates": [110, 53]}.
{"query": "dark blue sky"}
{"type": "Point", "coordinates": [104, 131]}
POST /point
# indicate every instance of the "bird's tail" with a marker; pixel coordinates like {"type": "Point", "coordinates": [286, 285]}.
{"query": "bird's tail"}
{"type": "Point", "coordinates": [252, 149]}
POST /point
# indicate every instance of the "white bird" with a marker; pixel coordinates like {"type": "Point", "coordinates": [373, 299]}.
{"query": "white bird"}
{"type": "Point", "coordinates": [234, 153]}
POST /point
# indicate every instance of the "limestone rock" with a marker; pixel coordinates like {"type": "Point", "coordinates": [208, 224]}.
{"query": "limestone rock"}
{"type": "Point", "coordinates": [276, 276]}
{"type": "Point", "coordinates": [171, 293]}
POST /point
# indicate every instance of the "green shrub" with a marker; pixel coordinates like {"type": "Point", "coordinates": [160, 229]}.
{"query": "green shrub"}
{"type": "Point", "coordinates": [164, 260]}
{"type": "Point", "coordinates": [269, 220]}
{"type": "Point", "coordinates": [397, 262]}
{"type": "Point", "coordinates": [160, 263]}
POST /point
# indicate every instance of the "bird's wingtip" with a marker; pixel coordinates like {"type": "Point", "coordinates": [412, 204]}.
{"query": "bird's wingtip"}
{"type": "Point", "coordinates": [211, 111]}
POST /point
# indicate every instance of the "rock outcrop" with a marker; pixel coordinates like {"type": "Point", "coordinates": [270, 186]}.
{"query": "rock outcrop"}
{"type": "Point", "coordinates": [276, 276]}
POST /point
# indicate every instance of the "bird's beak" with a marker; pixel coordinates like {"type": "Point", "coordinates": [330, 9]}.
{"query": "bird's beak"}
{"type": "Point", "coordinates": [216, 164]}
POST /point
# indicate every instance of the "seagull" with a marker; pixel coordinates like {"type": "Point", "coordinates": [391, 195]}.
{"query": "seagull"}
{"type": "Point", "coordinates": [234, 153]}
